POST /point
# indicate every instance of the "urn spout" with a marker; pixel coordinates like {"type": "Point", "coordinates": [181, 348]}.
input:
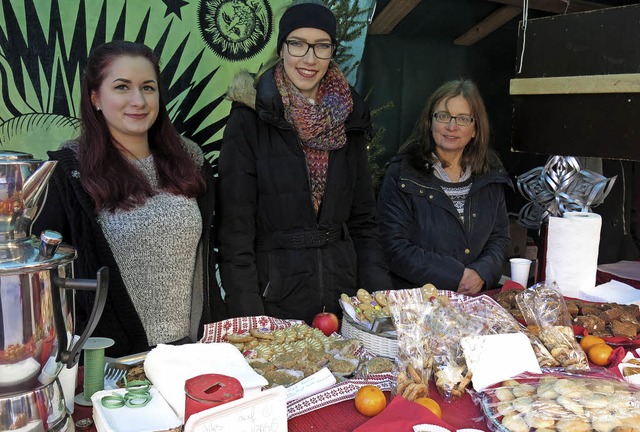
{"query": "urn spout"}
{"type": "Point", "coordinates": [23, 181]}
{"type": "Point", "coordinates": [36, 183]}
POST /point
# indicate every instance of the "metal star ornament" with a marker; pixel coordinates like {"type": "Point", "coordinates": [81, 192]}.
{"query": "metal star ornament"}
{"type": "Point", "coordinates": [558, 187]}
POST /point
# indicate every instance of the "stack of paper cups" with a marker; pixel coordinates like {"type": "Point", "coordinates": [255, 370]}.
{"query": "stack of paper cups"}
{"type": "Point", "coordinates": [572, 251]}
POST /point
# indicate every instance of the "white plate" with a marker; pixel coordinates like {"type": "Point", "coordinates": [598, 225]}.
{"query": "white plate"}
{"type": "Point", "coordinates": [429, 428]}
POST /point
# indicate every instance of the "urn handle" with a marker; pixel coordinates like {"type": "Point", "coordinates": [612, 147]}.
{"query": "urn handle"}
{"type": "Point", "coordinates": [100, 285]}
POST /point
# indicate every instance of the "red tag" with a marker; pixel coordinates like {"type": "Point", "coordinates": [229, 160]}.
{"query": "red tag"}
{"type": "Point", "coordinates": [207, 391]}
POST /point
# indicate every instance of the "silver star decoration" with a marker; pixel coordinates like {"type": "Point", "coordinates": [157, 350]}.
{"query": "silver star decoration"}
{"type": "Point", "coordinates": [558, 187]}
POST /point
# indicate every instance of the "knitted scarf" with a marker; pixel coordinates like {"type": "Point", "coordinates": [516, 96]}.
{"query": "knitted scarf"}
{"type": "Point", "coordinates": [320, 126]}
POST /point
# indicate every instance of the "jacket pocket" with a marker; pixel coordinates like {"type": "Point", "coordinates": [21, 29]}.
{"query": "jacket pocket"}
{"type": "Point", "coordinates": [341, 268]}
{"type": "Point", "coordinates": [288, 275]}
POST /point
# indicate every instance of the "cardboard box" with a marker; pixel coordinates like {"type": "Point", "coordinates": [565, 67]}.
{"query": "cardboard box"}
{"type": "Point", "coordinates": [518, 246]}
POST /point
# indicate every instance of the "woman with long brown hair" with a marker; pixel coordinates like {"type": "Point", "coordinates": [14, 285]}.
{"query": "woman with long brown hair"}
{"type": "Point", "coordinates": [133, 195]}
{"type": "Point", "coordinates": [441, 207]}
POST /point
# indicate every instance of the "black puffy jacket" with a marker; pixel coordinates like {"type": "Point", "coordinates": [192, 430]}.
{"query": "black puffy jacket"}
{"type": "Point", "coordinates": [275, 259]}
{"type": "Point", "coordinates": [423, 237]}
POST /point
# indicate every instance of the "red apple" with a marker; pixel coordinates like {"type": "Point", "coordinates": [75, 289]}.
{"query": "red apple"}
{"type": "Point", "coordinates": [326, 322]}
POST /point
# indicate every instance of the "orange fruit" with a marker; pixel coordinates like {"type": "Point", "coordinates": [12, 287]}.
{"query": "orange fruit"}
{"type": "Point", "coordinates": [599, 354]}
{"type": "Point", "coordinates": [589, 341]}
{"type": "Point", "coordinates": [431, 405]}
{"type": "Point", "coordinates": [370, 400]}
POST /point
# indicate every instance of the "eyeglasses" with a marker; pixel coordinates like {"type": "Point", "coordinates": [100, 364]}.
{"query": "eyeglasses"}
{"type": "Point", "coordinates": [445, 117]}
{"type": "Point", "coordinates": [298, 48]}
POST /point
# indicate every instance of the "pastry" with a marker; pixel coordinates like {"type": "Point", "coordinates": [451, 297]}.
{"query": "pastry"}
{"type": "Point", "coordinates": [625, 328]}
{"type": "Point", "coordinates": [378, 365]}
{"type": "Point", "coordinates": [515, 423]}
{"type": "Point", "coordinates": [238, 337]}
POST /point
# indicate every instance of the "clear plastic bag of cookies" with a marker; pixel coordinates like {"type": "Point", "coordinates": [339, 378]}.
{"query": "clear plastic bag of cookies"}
{"type": "Point", "coordinates": [562, 402]}
{"type": "Point", "coordinates": [500, 321]}
{"type": "Point", "coordinates": [412, 368]}
{"type": "Point", "coordinates": [548, 318]}
{"type": "Point", "coordinates": [448, 324]}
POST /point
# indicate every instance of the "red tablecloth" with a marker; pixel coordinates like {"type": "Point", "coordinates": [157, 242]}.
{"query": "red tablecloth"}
{"type": "Point", "coordinates": [343, 416]}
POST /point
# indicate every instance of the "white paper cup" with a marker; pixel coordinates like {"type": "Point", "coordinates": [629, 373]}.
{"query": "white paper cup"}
{"type": "Point", "coordinates": [68, 380]}
{"type": "Point", "coordinates": [520, 270]}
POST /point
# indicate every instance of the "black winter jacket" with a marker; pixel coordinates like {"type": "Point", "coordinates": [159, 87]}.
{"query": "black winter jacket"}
{"type": "Point", "coordinates": [69, 210]}
{"type": "Point", "coordinates": [274, 257]}
{"type": "Point", "coordinates": [423, 237]}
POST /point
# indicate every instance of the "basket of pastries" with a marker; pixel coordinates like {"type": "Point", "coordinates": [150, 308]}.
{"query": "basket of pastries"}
{"type": "Point", "coordinates": [366, 318]}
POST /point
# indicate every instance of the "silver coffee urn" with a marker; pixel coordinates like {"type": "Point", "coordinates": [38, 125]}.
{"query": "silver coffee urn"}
{"type": "Point", "coordinates": [36, 323]}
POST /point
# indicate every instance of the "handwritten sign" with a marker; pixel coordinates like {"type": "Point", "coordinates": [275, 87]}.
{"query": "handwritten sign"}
{"type": "Point", "coordinates": [319, 381]}
{"type": "Point", "coordinates": [260, 412]}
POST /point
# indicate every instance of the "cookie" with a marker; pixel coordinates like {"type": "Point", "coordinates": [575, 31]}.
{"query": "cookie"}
{"type": "Point", "coordinates": [236, 338]}
{"type": "Point", "coordinates": [261, 334]}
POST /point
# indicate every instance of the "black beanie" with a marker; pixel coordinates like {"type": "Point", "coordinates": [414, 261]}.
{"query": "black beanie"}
{"type": "Point", "coordinates": [305, 15]}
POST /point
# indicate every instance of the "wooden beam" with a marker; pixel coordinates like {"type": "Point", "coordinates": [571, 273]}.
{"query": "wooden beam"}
{"type": "Point", "coordinates": [391, 15]}
{"type": "Point", "coordinates": [587, 84]}
{"type": "Point", "coordinates": [488, 25]}
{"type": "Point", "coordinates": [556, 6]}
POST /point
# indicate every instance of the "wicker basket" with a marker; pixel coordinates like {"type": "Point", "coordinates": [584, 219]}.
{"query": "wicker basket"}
{"type": "Point", "coordinates": [385, 346]}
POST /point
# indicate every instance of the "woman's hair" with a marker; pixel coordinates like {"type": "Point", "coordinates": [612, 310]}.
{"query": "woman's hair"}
{"type": "Point", "coordinates": [421, 145]}
{"type": "Point", "coordinates": [107, 176]}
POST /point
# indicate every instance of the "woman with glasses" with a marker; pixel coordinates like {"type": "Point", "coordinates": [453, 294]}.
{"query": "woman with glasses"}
{"type": "Point", "coordinates": [297, 221]}
{"type": "Point", "coordinates": [441, 207]}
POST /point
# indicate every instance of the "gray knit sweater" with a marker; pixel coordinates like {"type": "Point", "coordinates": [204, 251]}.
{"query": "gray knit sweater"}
{"type": "Point", "coordinates": [155, 247]}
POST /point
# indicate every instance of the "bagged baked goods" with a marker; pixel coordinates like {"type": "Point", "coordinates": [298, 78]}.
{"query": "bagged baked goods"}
{"type": "Point", "coordinates": [499, 321]}
{"type": "Point", "coordinates": [547, 317]}
{"type": "Point", "coordinates": [562, 402]}
{"type": "Point", "coordinates": [447, 325]}
{"type": "Point", "coordinates": [408, 309]}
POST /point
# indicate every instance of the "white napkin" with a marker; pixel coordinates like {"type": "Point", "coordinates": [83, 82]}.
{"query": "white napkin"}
{"type": "Point", "coordinates": [495, 358]}
{"type": "Point", "coordinates": [169, 366]}
{"type": "Point", "coordinates": [155, 416]}
{"type": "Point", "coordinates": [611, 292]}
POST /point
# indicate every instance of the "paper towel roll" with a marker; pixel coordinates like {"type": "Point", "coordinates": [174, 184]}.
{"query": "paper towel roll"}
{"type": "Point", "coordinates": [572, 251]}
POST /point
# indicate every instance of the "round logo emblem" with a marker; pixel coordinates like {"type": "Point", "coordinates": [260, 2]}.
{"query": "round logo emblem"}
{"type": "Point", "coordinates": [235, 29]}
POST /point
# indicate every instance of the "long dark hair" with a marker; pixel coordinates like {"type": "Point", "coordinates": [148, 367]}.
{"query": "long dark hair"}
{"type": "Point", "coordinates": [420, 144]}
{"type": "Point", "coordinates": [106, 175]}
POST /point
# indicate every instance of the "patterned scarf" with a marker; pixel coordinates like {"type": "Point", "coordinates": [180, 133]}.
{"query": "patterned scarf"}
{"type": "Point", "coordinates": [321, 125]}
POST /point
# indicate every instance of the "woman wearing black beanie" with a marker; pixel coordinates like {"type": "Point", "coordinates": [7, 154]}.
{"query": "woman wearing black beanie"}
{"type": "Point", "coordinates": [297, 211]}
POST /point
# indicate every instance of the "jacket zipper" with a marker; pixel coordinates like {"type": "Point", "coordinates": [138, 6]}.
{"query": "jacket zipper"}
{"type": "Point", "coordinates": [320, 275]}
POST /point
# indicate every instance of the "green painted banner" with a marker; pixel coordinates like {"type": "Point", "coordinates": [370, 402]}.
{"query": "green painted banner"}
{"type": "Point", "coordinates": [202, 44]}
